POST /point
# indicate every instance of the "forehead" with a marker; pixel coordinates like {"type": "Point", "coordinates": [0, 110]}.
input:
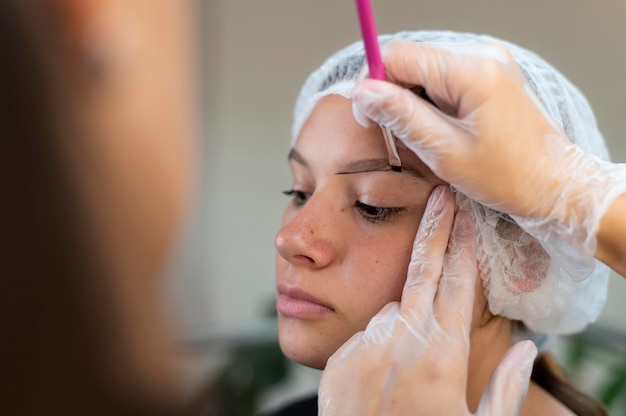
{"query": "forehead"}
{"type": "Point", "coordinates": [331, 120]}
{"type": "Point", "coordinates": [332, 130]}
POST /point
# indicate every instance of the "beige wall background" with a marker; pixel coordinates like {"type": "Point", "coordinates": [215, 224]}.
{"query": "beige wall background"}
{"type": "Point", "coordinates": [257, 53]}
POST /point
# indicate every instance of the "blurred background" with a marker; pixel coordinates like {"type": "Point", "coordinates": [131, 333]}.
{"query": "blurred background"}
{"type": "Point", "coordinates": [256, 55]}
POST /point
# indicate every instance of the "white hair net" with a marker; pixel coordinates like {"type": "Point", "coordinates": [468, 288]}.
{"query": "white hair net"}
{"type": "Point", "coordinates": [522, 281]}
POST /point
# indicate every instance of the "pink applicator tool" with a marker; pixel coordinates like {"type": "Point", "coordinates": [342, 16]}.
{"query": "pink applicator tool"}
{"type": "Point", "coordinates": [376, 69]}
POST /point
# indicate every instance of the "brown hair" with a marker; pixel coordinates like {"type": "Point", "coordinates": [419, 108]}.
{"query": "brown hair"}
{"type": "Point", "coordinates": [550, 376]}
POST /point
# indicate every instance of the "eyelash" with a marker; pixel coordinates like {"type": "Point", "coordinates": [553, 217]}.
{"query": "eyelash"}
{"type": "Point", "coordinates": [375, 214]}
{"type": "Point", "coordinates": [299, 197]}
{"type": "Point", "coordinates": [369, 213]}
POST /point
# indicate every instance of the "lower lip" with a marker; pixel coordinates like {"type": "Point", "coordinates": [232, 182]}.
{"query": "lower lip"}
{"type": "Point", "coordinates": [300, 308]}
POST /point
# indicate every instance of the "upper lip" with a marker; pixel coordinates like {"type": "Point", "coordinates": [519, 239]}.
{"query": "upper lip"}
{"type": "Point", "coordinates": [298, 293]}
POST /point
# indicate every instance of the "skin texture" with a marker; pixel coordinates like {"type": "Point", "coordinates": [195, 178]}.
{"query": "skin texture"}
{"type": "Point", "coordinates": [314, 254]}
{"type": "Point", "coordinates": [352, 267]}
{"type": "Point", "coordinates": [414, 353]}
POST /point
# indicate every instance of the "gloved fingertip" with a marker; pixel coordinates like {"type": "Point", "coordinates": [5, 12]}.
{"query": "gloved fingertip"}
{"type": "Point", "coordinates": [462, 224]}
{"type": "Point", "coordinates": [439, 199]}
{"type": "Point", "coordinates": [527, 354]}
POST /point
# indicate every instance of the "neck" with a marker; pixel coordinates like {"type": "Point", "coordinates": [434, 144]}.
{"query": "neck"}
{"type": "Point", "coordinates": [488, 344]}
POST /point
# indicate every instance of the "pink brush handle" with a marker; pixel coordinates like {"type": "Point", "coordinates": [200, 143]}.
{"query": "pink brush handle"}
{"type": "Point", "coordinates": [370, 39]}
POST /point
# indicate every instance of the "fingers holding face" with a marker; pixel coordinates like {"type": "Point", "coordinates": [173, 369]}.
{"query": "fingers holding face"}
{"type": "Point", "coordinates": [442, 274]}
{"type": "Point", "coordinates": [454, 302]}
{"type": "Point", "coordinates": [440, 279]}
{"type": "Point", "coordinates": [428, 253]}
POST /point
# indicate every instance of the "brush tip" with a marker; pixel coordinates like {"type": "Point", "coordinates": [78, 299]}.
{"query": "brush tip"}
{"type": "Point", "coordinates": [396, 168]}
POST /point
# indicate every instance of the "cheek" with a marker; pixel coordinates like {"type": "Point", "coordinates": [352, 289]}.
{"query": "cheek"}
{"type": "Point", "coordinates": [379, 274]}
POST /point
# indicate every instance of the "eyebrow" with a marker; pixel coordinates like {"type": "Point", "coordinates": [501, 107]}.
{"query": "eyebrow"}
{"type": "Point", "coordinates": [361, 166]}
{"type": "Point", "coordinates": [376, 165]}
{"type": "Point", "coordinates": [295, 156]}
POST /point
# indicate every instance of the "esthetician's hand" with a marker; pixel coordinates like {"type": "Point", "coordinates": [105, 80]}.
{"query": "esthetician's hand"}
{"type": "Point", "coordinates": [413, 356]}
{"type": "Point", "coordinates": [492, 139]}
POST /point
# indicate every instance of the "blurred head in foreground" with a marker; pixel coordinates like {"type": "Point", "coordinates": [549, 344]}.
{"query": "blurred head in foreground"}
{"type": "Point", "coordinates": [97, 126]}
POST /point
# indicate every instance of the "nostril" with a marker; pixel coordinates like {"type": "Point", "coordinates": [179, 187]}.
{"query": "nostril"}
{"type": "Point", "coordinates": [304, 258]}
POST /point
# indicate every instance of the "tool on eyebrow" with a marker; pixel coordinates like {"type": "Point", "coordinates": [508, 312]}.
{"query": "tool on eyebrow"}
{"type": "Point", "coordinates": [377, 70]}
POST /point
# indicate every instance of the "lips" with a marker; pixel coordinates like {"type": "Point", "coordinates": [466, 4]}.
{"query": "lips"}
{"type": "Point", "coordinates": [297, 303]}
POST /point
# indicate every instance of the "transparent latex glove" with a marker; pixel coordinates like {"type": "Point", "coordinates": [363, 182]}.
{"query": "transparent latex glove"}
{"type": "Point", "coordinates": [413, 356]}
{"type": "Point", "coordinates": [492, 139]}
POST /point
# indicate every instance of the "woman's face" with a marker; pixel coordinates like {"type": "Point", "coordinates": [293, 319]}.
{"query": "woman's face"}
{"type": "Point", "coordinates": [346, 235]}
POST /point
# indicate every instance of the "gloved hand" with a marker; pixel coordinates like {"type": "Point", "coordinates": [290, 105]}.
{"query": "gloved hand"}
{"type": "Point", "coordinates": [413, 356]}
{"type": "Point", "coordinates": [493, 140]}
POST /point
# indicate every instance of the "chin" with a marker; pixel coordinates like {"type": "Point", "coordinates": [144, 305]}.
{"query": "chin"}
{"type": "Point", "coordinates": [304, 351]}
{"type": "Point", "coordinates": [304, 355]}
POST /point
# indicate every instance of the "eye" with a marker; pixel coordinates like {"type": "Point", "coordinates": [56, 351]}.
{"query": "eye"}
{"type": "Point", "coordinates": [375, 214]}
{"type": "Point", "coordinates": [299, 197]}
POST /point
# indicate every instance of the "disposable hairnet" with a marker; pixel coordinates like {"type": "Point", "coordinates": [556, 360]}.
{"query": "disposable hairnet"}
{"type": "Point", "coordinates": [550, 293]}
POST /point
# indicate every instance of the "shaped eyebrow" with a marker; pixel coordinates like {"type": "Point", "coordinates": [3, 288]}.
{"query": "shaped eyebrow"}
{"type": "Point", "coordinates": [297, 157]}
{"type": "Point", "coordinates": [360, 166]}
{"type": "Point", "coordinates": [376, 165]}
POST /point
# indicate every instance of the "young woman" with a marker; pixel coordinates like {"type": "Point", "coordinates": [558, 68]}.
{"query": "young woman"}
{"type": "Point", "coordinates": [346, 237]}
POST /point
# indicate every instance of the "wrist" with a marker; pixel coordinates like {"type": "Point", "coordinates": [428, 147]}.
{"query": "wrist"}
{"type": "Point", "coordinates": [569, 207]}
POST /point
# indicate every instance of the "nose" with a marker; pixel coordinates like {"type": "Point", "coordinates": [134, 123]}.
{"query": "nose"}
{"type": "Point", "coordinates": [306, 236]}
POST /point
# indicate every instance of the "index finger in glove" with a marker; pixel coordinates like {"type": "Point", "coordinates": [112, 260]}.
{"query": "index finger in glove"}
{"type": "Point", "coordinates": [454, 301]}
{"type": "Point", "coordinates": [428, 252]}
